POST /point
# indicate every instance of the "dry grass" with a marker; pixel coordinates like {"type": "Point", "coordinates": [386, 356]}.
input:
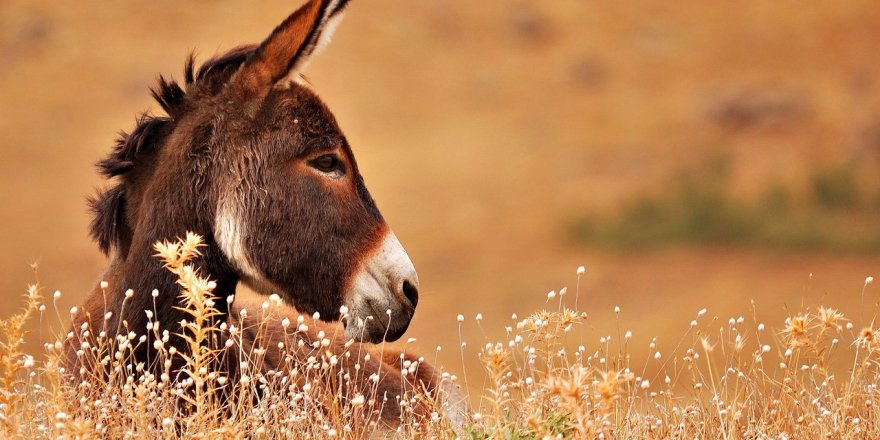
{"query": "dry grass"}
{"type": "Point", "coordinates": [814, 376]}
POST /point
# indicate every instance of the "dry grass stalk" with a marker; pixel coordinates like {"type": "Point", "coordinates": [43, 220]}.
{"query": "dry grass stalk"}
{"type": "Point", "coordinates": [817, 376]}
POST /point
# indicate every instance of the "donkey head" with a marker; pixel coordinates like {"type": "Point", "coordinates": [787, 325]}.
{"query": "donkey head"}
{"type": "Point", "coordinates": [263, 169]}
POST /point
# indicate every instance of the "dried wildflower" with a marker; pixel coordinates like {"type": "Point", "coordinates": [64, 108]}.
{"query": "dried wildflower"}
{"type": "Point", "coordinates": [707, 346]}
{"type": "Point", "coordinates": [572, 387]}
{"type": "Point", "coordinates": [796, 330]}
{"type": "Point", "coordinates": [829, 317]}
{"type": "Point", "coordinates": [609, 387]}
{"type": "Point", "coordinates": [867, 337]}
{"type": "Point", "coordinates": [495, 358]}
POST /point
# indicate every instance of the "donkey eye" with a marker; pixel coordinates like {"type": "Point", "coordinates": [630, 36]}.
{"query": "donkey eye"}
{"type": "Point", "coordinates": [327, 163]}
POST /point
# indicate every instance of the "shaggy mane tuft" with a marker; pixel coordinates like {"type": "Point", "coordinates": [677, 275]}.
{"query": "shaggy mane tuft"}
{"type": "Point", "coordinates": [108, 226]}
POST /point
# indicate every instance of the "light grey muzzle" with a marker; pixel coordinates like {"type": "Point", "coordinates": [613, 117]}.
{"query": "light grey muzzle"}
{"type": "Point", "coordinates": [383, 296]}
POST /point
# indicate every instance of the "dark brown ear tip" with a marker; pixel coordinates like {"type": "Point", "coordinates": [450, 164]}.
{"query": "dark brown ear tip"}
{"type": "Point", "coordinates": [286, 48]}
{"type": "Point", "coordinates": [338, 8]}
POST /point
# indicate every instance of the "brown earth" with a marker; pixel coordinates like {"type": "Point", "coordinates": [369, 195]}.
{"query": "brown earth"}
{"type": "Point", "coordinates": [483, 129]}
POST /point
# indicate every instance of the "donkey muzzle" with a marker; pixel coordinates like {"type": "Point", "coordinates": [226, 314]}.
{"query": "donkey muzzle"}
{"type": "Point", "coordinates": [383, 295]}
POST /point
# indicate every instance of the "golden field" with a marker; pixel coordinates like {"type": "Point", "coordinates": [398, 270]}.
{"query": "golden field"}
{"type": "Point", "coordinates": [491, 132]}
{"type": "Point", "coordinates": [534, 382]}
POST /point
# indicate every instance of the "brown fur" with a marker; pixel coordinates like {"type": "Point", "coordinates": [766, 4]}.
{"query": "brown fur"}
{"type": "Point", "coordinates": [232, 135]}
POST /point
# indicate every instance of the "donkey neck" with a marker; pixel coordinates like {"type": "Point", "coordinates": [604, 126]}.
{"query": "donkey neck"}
{"type": "Point", "coordinates": [154, 288]}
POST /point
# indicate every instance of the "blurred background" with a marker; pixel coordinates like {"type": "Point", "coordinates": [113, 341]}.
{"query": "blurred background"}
{"type": "Point", "coordinates": [689, 154]}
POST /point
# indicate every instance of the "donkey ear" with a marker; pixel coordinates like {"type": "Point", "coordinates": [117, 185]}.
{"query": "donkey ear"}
{"type": "Point", "coordinates": [289, 47]}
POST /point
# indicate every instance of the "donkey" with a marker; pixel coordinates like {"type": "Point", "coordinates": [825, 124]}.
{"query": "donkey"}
{"type": "Point", "coordinates": [251, 158]}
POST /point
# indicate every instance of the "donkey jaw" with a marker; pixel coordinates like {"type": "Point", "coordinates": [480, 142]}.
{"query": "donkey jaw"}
{"type": "Point", "coordinates": [383, 295]}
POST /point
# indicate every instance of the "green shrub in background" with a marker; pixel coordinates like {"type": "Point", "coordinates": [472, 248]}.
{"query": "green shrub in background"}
{"type": "Point", "coordinates": [699, 210]}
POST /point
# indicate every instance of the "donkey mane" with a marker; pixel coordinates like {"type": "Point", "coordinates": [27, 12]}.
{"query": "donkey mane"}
{"type": "Point", "coordinates": [108, 226]}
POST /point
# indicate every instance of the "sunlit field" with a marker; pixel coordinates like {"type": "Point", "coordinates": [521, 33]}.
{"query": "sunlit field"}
{"type": "Point", "coordinates": [815, 375]}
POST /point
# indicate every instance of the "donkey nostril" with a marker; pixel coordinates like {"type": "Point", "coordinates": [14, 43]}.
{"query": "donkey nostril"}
{"type": "Point", "coordinates": [411, 292]}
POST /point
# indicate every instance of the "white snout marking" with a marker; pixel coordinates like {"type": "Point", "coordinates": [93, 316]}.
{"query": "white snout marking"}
{"type": "Point", "coordinates": [378, 287]}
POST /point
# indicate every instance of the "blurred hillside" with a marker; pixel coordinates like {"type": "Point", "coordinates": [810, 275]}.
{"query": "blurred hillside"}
{"type": "Point", "coordinates": [498, 137]}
